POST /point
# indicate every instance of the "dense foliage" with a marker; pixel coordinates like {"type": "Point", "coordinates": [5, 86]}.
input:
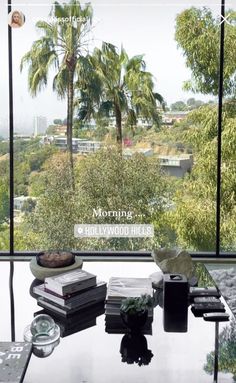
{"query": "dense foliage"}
{"type": "Point", "coordinates": [194, 217]}
{"type": "Point", "coordinates": [133, 185]}
{"type": "Point", "coordinates": [198, 34]}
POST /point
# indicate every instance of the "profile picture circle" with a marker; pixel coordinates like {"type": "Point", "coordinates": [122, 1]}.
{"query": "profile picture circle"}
{"type": "Point", "coordinates": [16, 19]}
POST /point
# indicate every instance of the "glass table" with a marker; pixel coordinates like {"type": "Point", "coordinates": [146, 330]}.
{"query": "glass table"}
{"type": "Point", "coordinates": [205, 353]}
{"type": "Point", "coordinates": [225, 277]}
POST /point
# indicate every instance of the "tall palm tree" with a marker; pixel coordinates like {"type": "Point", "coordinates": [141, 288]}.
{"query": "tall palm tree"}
{"type": "Point", "coordinates": [126, 88]}
{"type": "Point", "coordinates": [61, 47]}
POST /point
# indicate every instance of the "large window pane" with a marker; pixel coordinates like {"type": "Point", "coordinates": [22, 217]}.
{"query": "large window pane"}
{"type": "Point", "coordinates": [119, 78]}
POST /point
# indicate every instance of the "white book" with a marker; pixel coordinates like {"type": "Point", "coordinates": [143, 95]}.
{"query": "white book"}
{"type": "Point", "coordinates": [120, 288]}
{"type": "Point", "coordinates": [70, 282]}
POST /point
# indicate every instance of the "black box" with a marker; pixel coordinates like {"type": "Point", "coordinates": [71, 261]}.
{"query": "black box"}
{"type": "Point", "coordinates": [175, 308]}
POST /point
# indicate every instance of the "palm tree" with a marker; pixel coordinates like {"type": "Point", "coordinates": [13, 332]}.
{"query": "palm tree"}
{"type": "Point", "coordinates": [123, 87]}
{"type": "Point", "coordinates": [61, 47]}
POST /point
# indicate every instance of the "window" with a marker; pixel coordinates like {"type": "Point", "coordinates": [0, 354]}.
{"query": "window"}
{"type": "Point", "coordinates": [105, 134]}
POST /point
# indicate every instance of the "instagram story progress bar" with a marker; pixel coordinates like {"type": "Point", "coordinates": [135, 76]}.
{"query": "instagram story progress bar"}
{"type": "Point", "coordinates": [113, 231]}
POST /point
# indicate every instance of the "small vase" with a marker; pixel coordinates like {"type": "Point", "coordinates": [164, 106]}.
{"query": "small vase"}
{"type": "Point", "coordinates": [134, 322]}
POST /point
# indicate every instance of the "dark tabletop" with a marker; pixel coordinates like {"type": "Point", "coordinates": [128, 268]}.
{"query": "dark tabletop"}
{"type": "Point", "coordinates": [94, 356]}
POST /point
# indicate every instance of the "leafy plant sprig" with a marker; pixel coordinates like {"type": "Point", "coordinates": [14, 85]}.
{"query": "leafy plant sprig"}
{"type": "Point", "coordinates": [134, 305]}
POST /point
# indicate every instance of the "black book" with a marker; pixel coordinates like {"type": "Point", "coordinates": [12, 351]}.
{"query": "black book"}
{"type": "Point", "coordinates": [66, 331]}
{"type": "Point", "coordinates": [77, 322]}
{"type": "Point", "coordinates": [114, 309]}
{"type": "Point", "coordinates": [123, 330]}
{"type": "Point", "coordinates": [119, 324]}
{"type": "Point", "coordinates": [75, 299]}
{"type": "Point", "coordinates": [14, 360]}
{"type": "Point", "coordinates": [77, 318]}
{"type": "Point", "coordinates": [67, 311]}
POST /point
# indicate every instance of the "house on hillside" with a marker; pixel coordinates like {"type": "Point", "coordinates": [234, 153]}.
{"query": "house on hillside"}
{"type": "Point", "coordinates": [176, 166]}
{"type": "Point", "coordinates": [169, 118]}
{"type": "Point", "coordinates": [19, 201]}
{"type": "Point", "coordinates": [79, 145]}
{"type": "Point", "coordinates": [59, 130]}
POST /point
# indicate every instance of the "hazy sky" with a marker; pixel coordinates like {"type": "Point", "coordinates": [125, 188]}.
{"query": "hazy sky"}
{"type": "Point", "coordinates": [142, 28]}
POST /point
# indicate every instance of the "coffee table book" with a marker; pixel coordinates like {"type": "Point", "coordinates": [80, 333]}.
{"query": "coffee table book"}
{"type": "Point", "coordinates": [70, 282]}
{"type": "Point", "coordinates": [79, 321]}
{"type": "Point", "coordinates": [72, 300]}
{"type": "Point", "coordinates": [14, 360]}
{"type": "Point", "coordinates": [65, 310]}
{"type": "Point", "coordinates": [122, 329]}
{"type": "Point", "coordinates": [120, 288]}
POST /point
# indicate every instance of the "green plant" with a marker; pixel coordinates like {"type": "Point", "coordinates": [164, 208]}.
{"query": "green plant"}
{"type": "Point", "coordinates": [135, 305]}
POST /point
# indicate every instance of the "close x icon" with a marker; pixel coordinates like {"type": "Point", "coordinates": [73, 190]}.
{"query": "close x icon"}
{"type": "Point", "coordinates": [230, 19]}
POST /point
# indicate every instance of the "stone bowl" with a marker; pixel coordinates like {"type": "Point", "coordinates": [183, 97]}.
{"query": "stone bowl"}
{"type": "Point", "coordinates": [51, 267]}
{"type": "Point", "coordinates": [53, 259]}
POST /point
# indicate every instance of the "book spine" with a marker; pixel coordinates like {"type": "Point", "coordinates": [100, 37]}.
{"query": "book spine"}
{"type": "Point", "coordinates": [70, 288]}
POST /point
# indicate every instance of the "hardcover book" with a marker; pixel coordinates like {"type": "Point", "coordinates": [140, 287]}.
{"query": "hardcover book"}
{"type": "Point", "coordinates": [65, 310]}
{"type": "Point", "coordinates": [70, 282]}
{"type": "Point", "coordinates": [72, 300]}
{"type": "Point", "coordinates": [66, 330]}
{"type": "Point", "coordinates": [14, 360]}
{"type": "Point", "coordinates": [123, 330]}
{"type": "Point", "coordinates": [114, 311]}
{"type": "Point", "coordinates": [114, 322]}
{"type": "Point", "coordinates": [79, 321]}
{"type": "Point", "coordinates": [121, 288]}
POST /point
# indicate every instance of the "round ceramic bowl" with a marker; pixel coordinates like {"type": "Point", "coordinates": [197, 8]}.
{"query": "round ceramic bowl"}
{"type": "Point", "coordinates": [41, 272]}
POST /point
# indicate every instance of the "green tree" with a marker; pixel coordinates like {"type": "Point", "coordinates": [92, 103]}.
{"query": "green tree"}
{"type": "Point", "coordinates": [4, 198]}
{"type": "Point", "coordinates": [134, 185]}
{"type": "Point", "coordinates": [4, 237]}
{"type": "Point", "coordinates": [50, 130]}
{"type": "Point", "coordinates": [57, 121]}
{"type": "Point", "coordinates": [178, 106]}
{"type": "Point", "coordinates": [198, 34]}
{"type": "Point", "coordinates": [37, 158]}
{"type": "Point", "coordinates": [61, 46]}
{"type": "Point", "coordinates": [50, 224]}
{"type": "Point", "coordinates": [194, 217]}
{"type": "Point", "coordinates": [4, 148]}
{"type": "Point", "coordinates": [123, 88]}
{"type": "Point", "coordinates": [29, 205]}
{"type": "Point", "coordinates": [37, 183]}
{"type": "Point", "coordinates": [194, 104]}
{"type": "Point", "coordinates": [21, 179]}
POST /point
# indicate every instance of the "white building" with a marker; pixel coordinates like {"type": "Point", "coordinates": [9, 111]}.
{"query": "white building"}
{"type": "Point", "coordinates": [169, 118]}
{"type": "Point", "coordinates": [40, 125]}
{"type": "Point", "coordinates": [79, 145]}
{"type": "Point", "coordinates": [176, 166]}
{"type": "Point", "coordinates": [19, 201]}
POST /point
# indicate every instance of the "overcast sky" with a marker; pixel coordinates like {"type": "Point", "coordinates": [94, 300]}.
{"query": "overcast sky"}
{"type": "Point", "coordinates": [143, 28]}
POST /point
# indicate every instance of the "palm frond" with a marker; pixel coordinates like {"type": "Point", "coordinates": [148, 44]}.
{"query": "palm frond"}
{"type": "Point", "coordinates": [60, 81]}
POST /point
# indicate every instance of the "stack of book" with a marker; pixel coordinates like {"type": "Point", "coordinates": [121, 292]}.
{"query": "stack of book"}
{"type": "Point", "coordinates": [80, 320]}
{"type": "Point", "coordinates": [69, 293]}
{"type": "Point", "coordinates": [119, 289]}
